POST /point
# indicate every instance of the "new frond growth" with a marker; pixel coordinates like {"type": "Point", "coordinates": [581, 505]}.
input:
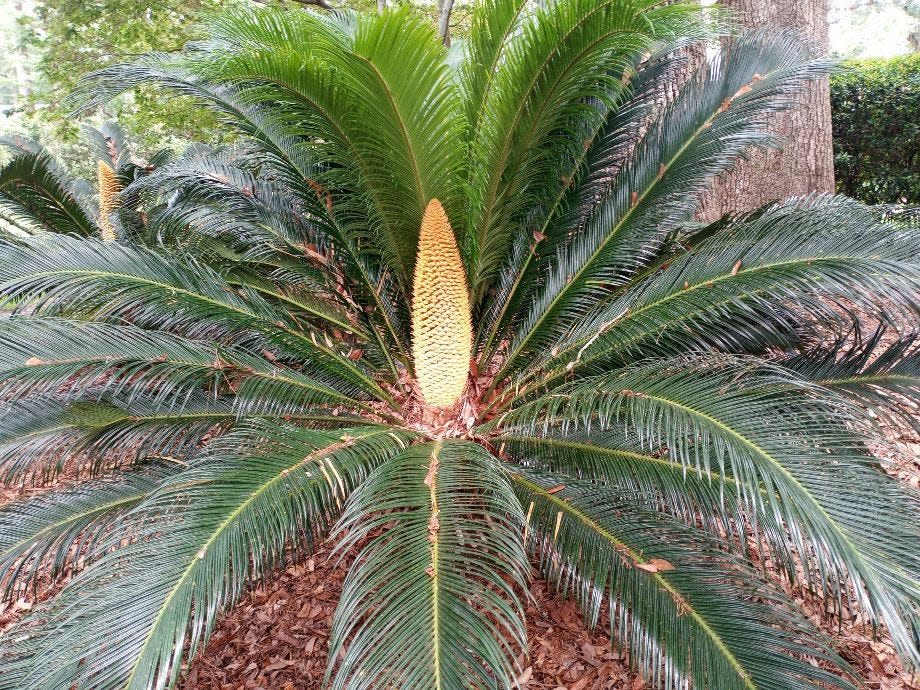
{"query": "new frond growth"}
{"type": "Point", "coordinates": [442, 337]}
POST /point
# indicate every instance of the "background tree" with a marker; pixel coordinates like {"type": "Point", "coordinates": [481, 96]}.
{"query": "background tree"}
{"type": "Point", "coordinates": [53, 43]}
{"type": "Point", "coordinates": [58, 41]}
{"type": "Point", "coordinates": [806, 163]}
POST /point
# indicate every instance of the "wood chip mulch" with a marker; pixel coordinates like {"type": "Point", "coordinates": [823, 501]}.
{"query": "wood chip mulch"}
{"type": "Point", "coordinates": [277, 636]}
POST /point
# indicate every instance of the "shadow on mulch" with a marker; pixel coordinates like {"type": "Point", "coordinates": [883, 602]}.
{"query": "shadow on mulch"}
{"type": "Point", "coordinates": [276, 638]}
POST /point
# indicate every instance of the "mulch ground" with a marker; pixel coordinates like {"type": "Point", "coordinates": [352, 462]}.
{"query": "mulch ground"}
{"type": "Point", "coordinates": [277, 637]}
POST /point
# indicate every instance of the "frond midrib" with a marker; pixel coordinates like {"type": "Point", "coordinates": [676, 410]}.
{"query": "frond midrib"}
{"type": "Point", "coordinates": [226, 522]}
{"type": "Point", "coordinates": [637, 558]}
{"type": "Point", "coordinates": [435, 577]}
{"type": "Point", "coordinates": [562, 443]}
{"type": "Point", "coordinates": [102, 508]}
{"type": "Point", "coordinates": [869, 379]}
{"type": "Point", "coordinates": [325, 316]}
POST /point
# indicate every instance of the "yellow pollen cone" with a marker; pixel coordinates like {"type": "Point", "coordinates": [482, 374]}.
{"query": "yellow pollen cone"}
{"type": "Point", "coordinates": [442, 335]}
{"type": "Point", "coordinates": [108, 199]}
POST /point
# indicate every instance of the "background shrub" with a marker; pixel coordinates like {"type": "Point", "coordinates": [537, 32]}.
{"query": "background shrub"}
{"type": "Point", "coordinates": [876, 113]}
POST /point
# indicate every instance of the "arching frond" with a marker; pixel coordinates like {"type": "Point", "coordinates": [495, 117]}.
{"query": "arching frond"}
{"type": "Point", "coordinates": [111, 281]}
{"type": "Point", "coordinates": [609, 458]}
{"type": "Point", "coordinates": [561, 57]}
{"type": "Point", "coordinates": [70, 358]}
{"type": "Point", "coordinates": [769, 430]}
{"type": "Point", "coordinates": [37, 195]}
{"type": "Point", "coordinates": [881, 372]}
{"type": "Point", "coordinates": [430, 602]}
{"type": "Point", "coordinates": [232, 518]}
{"type": "Point", "coordinates": [765, 279]}
{"type": "Point", "coordinates": [583, 178]}
{"type": "Point", "coordinates": [40, 436]}
{"type": "Point", "coordinates": [720, 113]}
{"type": "Point", "coordinates": [669, 590]}
{"type": "Point", "coordinates": [41, 536]}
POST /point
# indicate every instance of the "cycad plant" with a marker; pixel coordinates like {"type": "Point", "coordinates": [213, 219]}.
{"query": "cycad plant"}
{"type": "Point", "coordinates": [37, 194]}
{"type": "Point", "coordinates": [473, 328]}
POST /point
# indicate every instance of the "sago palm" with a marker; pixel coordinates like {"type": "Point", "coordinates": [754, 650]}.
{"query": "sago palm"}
{"type": "Point", "coordinates": [37, 194]}
{"type": "Point", "coordinates": [473, 328]}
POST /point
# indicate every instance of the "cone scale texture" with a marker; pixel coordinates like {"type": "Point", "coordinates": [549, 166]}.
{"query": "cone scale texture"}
{"type": "Point", "coordinates": [108, 199]}
{"type": "Point", "coordinates": [442, 338]}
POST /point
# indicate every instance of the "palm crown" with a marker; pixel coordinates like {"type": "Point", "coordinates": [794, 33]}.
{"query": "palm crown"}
{"type": "Point", "coordinates": [651, 406]}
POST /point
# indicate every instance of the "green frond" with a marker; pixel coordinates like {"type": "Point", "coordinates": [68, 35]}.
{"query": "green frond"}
{"type": "Point", "coordinates": [43, 535]}
{"type": "Point", "coordinates": [609, 458]}
{"type": "Point", "coordinates": [159, 291]}
{"type": "Point", "coordinates": [767, 279]}
{"type": "Point", "coordinates": [687, 612]}
{"type": "Point", "coordinates": [41, 356]}
{"type": "Point", "coordinates": [233, 516]}
{"type": "Point", "coordinates": [493, 26]}
{"type": "Point", "coordinates": [430, 602]}
{"type": "Point", "coordinates": [722, 111]}
{"type": "Point", "coordinates": [37, 195]}
{"type": "Point", "coordinates": [789, 448]}
{"type": "Point", "coordinates": [582, 178]}
{"type": "Point", "coordinates": [265, 227]}
{"type": "Point", "coordinates": [560, 58]}
{"type": "Point", "coordinates": [285, 227]}
{"type": "Point", "coordinates": [40, 436]}
{"type": "Point", "coordinates": [878, 372]}
{"type": "Point", "coordinates": [370, 94]}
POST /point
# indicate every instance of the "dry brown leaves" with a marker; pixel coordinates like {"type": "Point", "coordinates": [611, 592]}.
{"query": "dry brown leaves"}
{"type": "Point", "coordinates": [277, 638]}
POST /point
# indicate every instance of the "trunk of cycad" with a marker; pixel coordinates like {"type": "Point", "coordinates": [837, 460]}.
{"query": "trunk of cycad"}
{"type": "Point", "coordinates": [805, 164]}
{"type": "Point", "coordinates": [442, 337]}
{"type": "Point", "coordinates": [108, 200]}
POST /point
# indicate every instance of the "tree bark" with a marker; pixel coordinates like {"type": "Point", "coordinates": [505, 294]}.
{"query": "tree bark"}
{"type": "Point", "coordinates": [444, 9]}
{"type": "Point", "coordinates": [805, 163]}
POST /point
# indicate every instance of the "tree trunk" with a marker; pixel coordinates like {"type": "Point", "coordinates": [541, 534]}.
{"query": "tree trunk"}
{"type": "Point", "coordinates": [805, 163]}
{"type": "Point", "coordinates": [444, 9]}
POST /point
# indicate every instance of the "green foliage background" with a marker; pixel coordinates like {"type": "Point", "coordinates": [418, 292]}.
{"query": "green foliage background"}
{"type": "Point", "coordinates": [60, 41]}
{"type": "Point", "coordinates": [78, 37]}
{"type": "Point", "coordinates": [65, 39]}
{"type": "Point", "coordinates": [876, 112]}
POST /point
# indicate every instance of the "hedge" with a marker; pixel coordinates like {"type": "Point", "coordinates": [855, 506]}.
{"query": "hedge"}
{"type": "Point", "coordinates": [876, 115]}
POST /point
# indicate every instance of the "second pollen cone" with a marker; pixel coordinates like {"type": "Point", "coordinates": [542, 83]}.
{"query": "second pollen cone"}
{"type": "Point", "coordinates": [108, 199]}
{"type": "Point", "coordinates": [442, 335]}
